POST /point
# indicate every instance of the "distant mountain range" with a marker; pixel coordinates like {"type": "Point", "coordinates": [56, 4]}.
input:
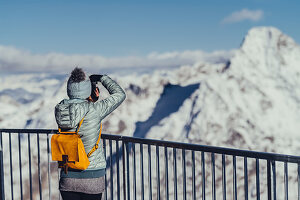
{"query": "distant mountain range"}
{"type": "Point", "coordinates": [250, 100]}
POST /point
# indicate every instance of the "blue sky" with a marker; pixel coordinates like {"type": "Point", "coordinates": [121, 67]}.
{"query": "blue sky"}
{"type": "Point", "coordinates": [125, 28]}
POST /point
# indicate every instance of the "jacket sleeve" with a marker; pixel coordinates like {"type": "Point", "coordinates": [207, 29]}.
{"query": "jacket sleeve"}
{"type": "Point", "coordinates": [117, 96]}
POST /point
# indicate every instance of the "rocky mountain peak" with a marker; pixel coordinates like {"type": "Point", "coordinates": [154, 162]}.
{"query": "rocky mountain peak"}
{"type": "Point", "coordinates": [260, 38]}
{"type": "Point", "coordinates": [266, 51]}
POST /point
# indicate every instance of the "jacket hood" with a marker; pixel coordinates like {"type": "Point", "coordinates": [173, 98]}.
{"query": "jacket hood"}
{"type": "Point", "coordinates": [69, 112]}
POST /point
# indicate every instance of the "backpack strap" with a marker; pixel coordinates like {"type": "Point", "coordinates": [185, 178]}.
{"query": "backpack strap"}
{"type": "Point", "coordinates": [96, 145]}
{"type": "Point", "coordinates": [79, 125]}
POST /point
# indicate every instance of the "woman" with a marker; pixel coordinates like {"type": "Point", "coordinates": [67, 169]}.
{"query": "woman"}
{"type": "Point", "coordinates": [89, 183]}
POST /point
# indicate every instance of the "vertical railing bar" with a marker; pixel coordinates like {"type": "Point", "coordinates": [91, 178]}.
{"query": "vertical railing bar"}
{"type": "Point", "coordinates": [142, 170]}
{"type": "Point", "coordinates": [111, 170]}
{"type": "Point", "coordinates": [124, 175]}
{"type": "Point", "coordinates": [286, 181]}
{"type": "Point", "coordinates": [29, 160]}
{"type": "Point", "coordinates": [213, 177]}
{"type": "Point", "coordinates": [203, 174]}
{"type": "Point", "coordinates": [118, 169]}
{"type": "Point", "coordinates": [269, 184]}
{"type": "Point", "coordinates": [149, 172]}
{"type": "Point", "coordinates": [246, 178]}
{"type": "Point", "coordinates": [11, 169]}
{"type": "Point", "coordinates": [224, 176]}
{"type": "Point", "coordinates": [184, 174]}
{"type": "Point", "coordinates": [48, 166]}
{"type": "Point", "coordinates": [105, 176]}
{"type": "Point", "coordinates": [298, 170]}
{"type": "Point", "coordinates": [39, 166]}
{"type": "Point", "coordinates": [257, 180]}
{"type": "Point", "coordinates": [58, 178]}
{"type": "Point", "coordinates": [20, 166]}
{"type": "Point", "coordinates": [193, 176]}
{"type": "Point", "coordinates": [157, 173]}
{"type": "Point", "coordinates": [234, 178]}
{"type": "Point", "coordinates": [175, 173]}
{"type": "Point", "coordinates": [166, 174]}
{"type": "Point", "coordinates": [134, 171]}
{"type": "Point", "coordinates": [2, 190]}
{"type": "Point", "coordinates": [274, 179]}
{"type": "Point", "coordinates": [128, 170]}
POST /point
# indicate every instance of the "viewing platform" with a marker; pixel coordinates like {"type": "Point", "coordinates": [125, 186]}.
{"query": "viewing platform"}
{"type": "Point", "coordinates": [139, 168]}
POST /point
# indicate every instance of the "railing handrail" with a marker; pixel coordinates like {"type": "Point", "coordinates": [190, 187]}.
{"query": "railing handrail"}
{"type": "Point", "coordinates": [180, 145]}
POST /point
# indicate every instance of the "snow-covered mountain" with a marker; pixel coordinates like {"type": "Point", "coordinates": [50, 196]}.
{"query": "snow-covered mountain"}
{"type": "Point", "coordinates": [251, 100]}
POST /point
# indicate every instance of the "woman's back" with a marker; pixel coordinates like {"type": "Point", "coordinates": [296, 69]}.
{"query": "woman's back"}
{"type": "Point", "coordinates": [68, 114]}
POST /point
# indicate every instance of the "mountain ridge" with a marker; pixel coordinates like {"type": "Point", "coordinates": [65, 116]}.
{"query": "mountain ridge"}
{"type": "Point", "coordinates": [250, 101]}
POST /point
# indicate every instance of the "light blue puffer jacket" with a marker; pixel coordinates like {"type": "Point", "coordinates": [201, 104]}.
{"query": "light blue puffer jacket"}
{"type": "Point", "coordinates": [69, 112]}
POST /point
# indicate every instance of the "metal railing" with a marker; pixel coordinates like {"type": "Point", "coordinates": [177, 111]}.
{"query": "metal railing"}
{"type": "Point", "coordinates": [140, 168]}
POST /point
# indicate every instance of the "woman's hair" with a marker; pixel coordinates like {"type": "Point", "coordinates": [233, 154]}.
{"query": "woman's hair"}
{"type": "Point", "coordinates": [77, 75]}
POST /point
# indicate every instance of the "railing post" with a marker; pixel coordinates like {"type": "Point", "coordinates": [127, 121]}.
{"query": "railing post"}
{"type": "Point", "coordinates": [124, 179]}
{"type": "Point", "coordinates": [246, 178]}
{"type": "Point", "coordinates": [224, 176]}
{"type": "Point", "coordinates": [166, 174]}
{"type": "Point", "coordinates": [128, 170]}
{"type": "Point", "coordinates": [286, 181]}
{"type": "Point", "coordinates": [11, 169]}
{"type": "Point", "coordinates": [269, 180]}
{"type": "Point", "coordinates": [1, 169]}
{"type": "Point", "coordinates": [111, 174]}
{"type": "Point", "coordinates": [118, 169]}
{"type": "Point", "coordinates": [274, 179]}
{"type": "Point", "coordinates": [298, 180]}
{"type": "Point", "coordinates": [105, 176]}
{"type": "Point", "coordinates": [257, 180]}
{"type": "Point", "coordinates": [142, 171]}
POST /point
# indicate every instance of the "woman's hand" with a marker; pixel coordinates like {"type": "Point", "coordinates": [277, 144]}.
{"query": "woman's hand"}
{"type": "Point", "coordinates": [95, 77]}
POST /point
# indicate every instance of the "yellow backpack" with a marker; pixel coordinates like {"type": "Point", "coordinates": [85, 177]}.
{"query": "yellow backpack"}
{"type": "Point", "coordinates": [67, 148]}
